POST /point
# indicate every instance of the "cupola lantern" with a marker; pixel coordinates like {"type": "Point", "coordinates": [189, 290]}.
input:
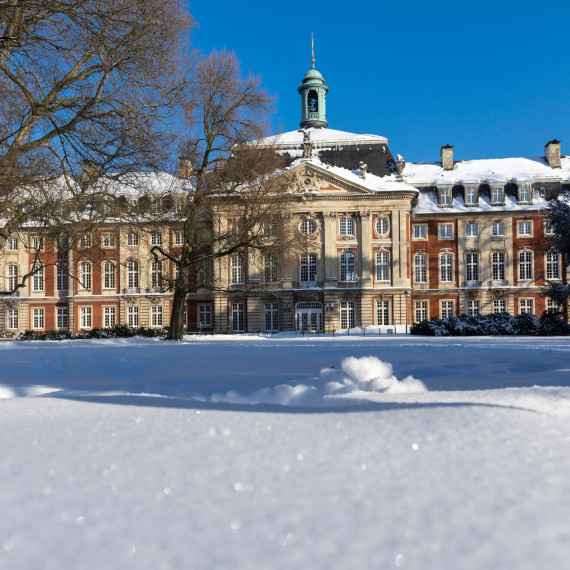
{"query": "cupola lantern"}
{"type": "Point", "coordinates": [313, 93]}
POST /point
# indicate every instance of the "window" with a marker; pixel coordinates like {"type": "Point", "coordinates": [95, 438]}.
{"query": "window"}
{"type": "Point", "coordinates": [445, 197]}
{"type": "Point", "coordinates": [472, 267]}
{"type": "Point", "coordinates": [446, 309]}
{"type": "Point", "coordinates": [420, 231]}
{"type": "Point", "coordinates": [237, 314]}
{"type": "Point", "coordinates": [383, 312]}
{"type": "Point", "coordinates": [12, 319]}
{"type": "Point", "coordinates": [347, 314]}
{"type": "Point", "coordinates": [85, 318]}
{"type": "Point", "coordinates": [420, 268]}
{"type": "Point", "coordinates": [37, 243]}
{"type": "Point", "coordinates": [108, 275]}
{"type": "Point", "coordinates": [63, 243]}
{"type": "Point", "coordinates": [271, 317]}
{"type": "Point", "coordinates": [498, 265]}
{"type": "Point", "coordinates": [308, 227]}
{"type": "Point", "coordinates": [62, 276]}
{"type": "Point", "coordinates": [549, 228]}
{"type": "Point", "coordinates": [133, 275]}
{"type": "Point", "coordinates": [308, 267]}
{"type": "Point", "coordinates": [109, 317]}
{"type": "Point", "coordinates": [37, 319]}
{"type": "Point", "coordinates": [12, 244]}
{"type": "Point", "coordinates": [108, 240]}
{"type": "Point", "coordinates": [527, 306]}
{"type": "Point", "coordinates": [346, 227]}
{"type": "Point", "coordinates": [446, 231]}
{"type": "Point", "coordinates": [62, 318]}
{"type": "Point", "coordinates": [38, 279]}
{"type": "Point", "coordinates": [133, 316]}
{"type": "Point", "coordinates": [155, 238]}
{"type": "Point", "coordinates": [446, 267]}
{"type": "Point", "coordinates": [524, 194]}
{"type": "Point", "coordinates": [132, 239]}
{"type": "Point", "coordinates": [421, 311]}
{"type": "Point", "coordinates": [470, 197]}
{"type": "Point", "coordinates": [471, 230]}
{"type": "Point", "coordinates": [499, 306]}
{"type": "Point", "coordinates": [85, 240]}
{"type": "Point", "coordinates": [473, 307]}
{"type": "Point", "coordinates": [269, 229]}
{"type": "Point", "coordinates": [347, 267]}
{"type": "Point", "coordinates": [156, 275]}
{"type": "Point", "coordinates": [382, 266]}
{"type": "Point", "coordinates": [178, 238]}
{"type": "Point", "coordinates": [525, 229]}
{"type": "Point", "coordinates": [498, 229]}
{"type": "Point", "coordinates": [381, 225]}
{"type": "Point", "coordinates": [85, 275]}
{"type": "Point", "coordinates": [204, 315]}
{"type": "Point", "coordinates": [525, 265]}
{"type": "Point", "coordinates": [156, 315]}
{"type": "Point", "coordinates": [552, 265]}
{"type": "Point", "coordinates": [497, 196]}
{"type": "Point", "coordinates": [236, 270]}
{"type": "Point", "coordinates": [270, 269]}
{"type": "Point", "coordinates": [12, 277]}
{"type": "Point", "coordinates": [552, 306]}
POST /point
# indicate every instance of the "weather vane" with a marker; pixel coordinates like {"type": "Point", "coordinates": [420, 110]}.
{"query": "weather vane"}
{"type": "Point", "coordinates": [312, 49]}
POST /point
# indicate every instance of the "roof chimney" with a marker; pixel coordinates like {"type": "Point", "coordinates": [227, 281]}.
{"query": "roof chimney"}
{"type": "Point", "coordinates": [185, 167]}
{"type": "Point", "coordinates": [552, 153]}
{"type": "Point", "coordinates": [446, 154]}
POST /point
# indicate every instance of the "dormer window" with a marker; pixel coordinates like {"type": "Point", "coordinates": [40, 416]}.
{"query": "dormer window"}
{"type": "Point", "coordinates": [470, 197]}
{"type": "Point", "coordinates": [524, 194]}
{"type": "Point", "coordinates": [445, 197]}
{"type": "Point", "coordinates": [497, 195]}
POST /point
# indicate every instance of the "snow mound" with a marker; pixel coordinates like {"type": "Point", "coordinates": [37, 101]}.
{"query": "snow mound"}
{"type": "Point", "coordinates": [356, 376]}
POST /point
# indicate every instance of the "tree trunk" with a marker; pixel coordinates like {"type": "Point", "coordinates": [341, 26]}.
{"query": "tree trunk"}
{"type": "Point", "coordinates": [176, 330]}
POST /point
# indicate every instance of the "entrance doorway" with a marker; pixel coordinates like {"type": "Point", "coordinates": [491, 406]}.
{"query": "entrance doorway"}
{"type": "Point", "coordinates": [309, 317]}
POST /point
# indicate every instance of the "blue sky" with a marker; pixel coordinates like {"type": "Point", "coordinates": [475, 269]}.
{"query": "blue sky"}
{"type": "Point", "coordinates": [490, 78]}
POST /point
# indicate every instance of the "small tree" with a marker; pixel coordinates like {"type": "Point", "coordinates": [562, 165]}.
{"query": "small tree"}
{"type": "Point", "coordinates": [237, 192]}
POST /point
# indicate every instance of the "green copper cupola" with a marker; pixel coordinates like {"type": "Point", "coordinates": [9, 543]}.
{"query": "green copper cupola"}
{"type": "Point", "coordinates": [313, 93]}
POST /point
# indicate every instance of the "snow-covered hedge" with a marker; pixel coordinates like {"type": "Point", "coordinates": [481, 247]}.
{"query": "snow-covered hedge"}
{"type": "Point", "coordinates": [549, 324]}
{"type": "Point", "coordinates": [121, 331]}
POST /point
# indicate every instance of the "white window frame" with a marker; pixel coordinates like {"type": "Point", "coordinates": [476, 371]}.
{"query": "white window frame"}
{"type": "Point", "coordinates": [381, 226]}
{"type": "Point", "coordinates": [473, 307]}
{"type": "Point", "coordinates": [85, 318]}
{"type": "Point", "coordinates": [421, 311]}
{"type": "Point", "coordinates": [420, 231]}
{"type": "Point", "coordinates": [447, 309]}
{"type": "Point", "coordinates": [62, 277]}
{"type": "Point", "coordinates": [85, 241]}
{"type": "Point", "coordinates": [37, 243]}
{"type": "Point", "coordinates": [38, 280]}
{"type": "Point", "coordinates": [12, 275]}
{"type": "Point", "coordinates": [156, 275]}
{"type": "Point", "coordinates": [178, 238]}
{"type": "Point", "coordinates": [471, 230]}
{"type": "Point", "coordinates": [109, 275]}
{"type": "Point", "coordinates": [132, 239]}
{"type": "Point", "coordinates": [133, 274]}
{"type": "Point", "coordinates": [156, 316]}
{"type": "Point", "coordinates": [472, 266]}
{"type": "Point", "coordinates": [109, 316]}
{"type": "Point", "coordinates": [446, 267]}
{"type": "Point", "coordinates": [383, 312]}
{"type": "Point", "coordinates": [445, 231]}
{"type": "Point", "coordinates": [205, 315]}
{"type": "Point", "coordinates": [271, 316]}
{"type": "Point", "coordinates": [497, 195]}
{"type": "Point", "coordinates": [308, 227]}
{"type": "Point", "coordinates": [108, 240]}
{"type": "Point", "coordinates": [62, 318]}
{"type": "Point", "coordinates": [12, 318]}
{"type": "Point", "coordinates": [270, 269]}
{"type": "Point", "coordinates": [236, 270]}
{"type": "Point", "coordinates": [498, 265]}
{"type": "Point", "coordinates": [347, 266]}
{"type": "Point", "coordinates": [346, 227]}
{"type": "Point", "coordinates": [525, 265]}
{"type": "Point", "coordinates": [308, 268]}
{"type": "Point", "coordinates": [382, 259]}
{"type": "Point", "coordinates": [524, 194]}
{"type": "Point", "coordinates": [552, 305]}
{"type": "Point", "coordinates": [499, 306]}
{"type": "Point", "coordinates": [470, 197]}
{"type": "Point", "coordinates": [524, 228]}
{"type": "Point", "coordinates": [420, 268]}
{"type": "Point", "coordinates": [347, 314]}
{"type": "Point", "coordinates": [133, 316]}
{"type": "Point", "coordinates": [237, 315]}
{"type": "Point", "coordinates": [498, 229]}
{"type": "Point", "coordinates": [38, 319]}
{"type": "Point", "coordinates": [549, 228]}
{"type": "Point", "coordinates": [12, 244]}
{"type": "Point", "coordinates": [445, 197]}
{"type": "Point", "coordinates": [155, 238]}
{"type": "Point", "coordinates": [85, 276]}
{"type": "Point", "coordinates": [552, 261]}
{"type": "Point", "coordinates": [526, 306]}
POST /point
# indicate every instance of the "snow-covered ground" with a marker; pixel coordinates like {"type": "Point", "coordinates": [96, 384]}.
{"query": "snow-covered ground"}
{"type": "Point", "coordinates": [356, 452]}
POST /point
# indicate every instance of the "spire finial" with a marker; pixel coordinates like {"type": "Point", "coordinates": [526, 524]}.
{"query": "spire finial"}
{"type": "Point", "coordinates": [312, 50]}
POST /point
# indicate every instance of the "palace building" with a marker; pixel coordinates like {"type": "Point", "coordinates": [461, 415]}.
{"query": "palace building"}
{"type": "Point", "coordinates": [392, 243]}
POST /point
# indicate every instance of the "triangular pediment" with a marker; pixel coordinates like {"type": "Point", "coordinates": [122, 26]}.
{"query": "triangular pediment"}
{"type": "Point", "coordinates": [309, 178]}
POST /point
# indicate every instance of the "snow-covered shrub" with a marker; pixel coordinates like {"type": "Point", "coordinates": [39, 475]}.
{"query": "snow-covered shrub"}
{"type": "Point", "coordinates": [552, 324]}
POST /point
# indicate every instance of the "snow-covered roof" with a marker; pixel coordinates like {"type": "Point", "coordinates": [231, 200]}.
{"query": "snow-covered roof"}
{"type": "Point", "coordinates": [492, 171]}
{"type": "Point", "coordinates": [321, 137]}
{"type": "Point", "coordinates": [371, 182]}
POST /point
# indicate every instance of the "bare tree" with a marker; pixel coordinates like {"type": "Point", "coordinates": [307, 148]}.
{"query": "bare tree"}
{"type": "Point", "coordinates": [86, 89]}
{"type": "Point", "coordinates": [237, 188]}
